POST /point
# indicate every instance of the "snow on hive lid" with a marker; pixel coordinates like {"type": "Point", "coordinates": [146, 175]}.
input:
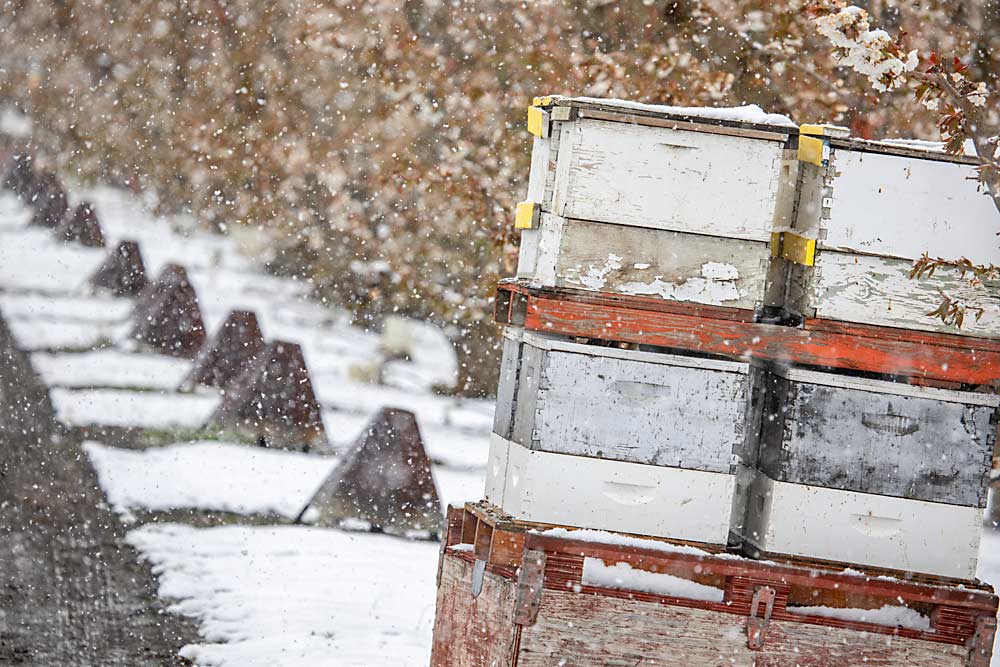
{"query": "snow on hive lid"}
{"type": "Point", "coordinates": [749, 114]}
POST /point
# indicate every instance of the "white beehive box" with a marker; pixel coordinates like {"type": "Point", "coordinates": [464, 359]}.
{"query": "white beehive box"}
{"type": "Point", "coordinates": [877, 437]}
{"type": "Point", "coordinates": [849, 527]}
{"type": "Point", "coordinates": [584, 492]}
{"type": "Point", "coordinates": [656, 201]}
{"type": "Point", "coordinates": [604, 402]}
{"type": "Point", "coordinates": [875, 207]}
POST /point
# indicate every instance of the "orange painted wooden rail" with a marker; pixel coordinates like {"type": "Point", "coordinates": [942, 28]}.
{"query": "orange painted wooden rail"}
{"type": "Point", "coordinates": [730, 332]}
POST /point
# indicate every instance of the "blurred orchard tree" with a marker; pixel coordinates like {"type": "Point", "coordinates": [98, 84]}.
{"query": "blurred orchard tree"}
{"type": "Point", "coordinates": [381, 144]}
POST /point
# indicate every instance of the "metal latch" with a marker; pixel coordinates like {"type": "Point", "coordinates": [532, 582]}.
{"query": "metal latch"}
{"type": "Point", "coordinates": [756, 624]}
{"type": "Point", "coordinates": [478, 573]}
{"type": "Point", "coordinates": [981, 643]}
{"type": "Point", "coordinates": [529, 587]}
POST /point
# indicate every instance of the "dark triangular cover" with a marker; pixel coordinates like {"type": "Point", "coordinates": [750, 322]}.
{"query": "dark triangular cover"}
{"type": "Point", "coordinates": [273, 400]}
{"type": "Point", "coordinates": [20, 177]}
{"type": "Point", "coordinates": [384, 479]}
{"type": "Point", "coordinates": [49, 201]}
{"type": "Point", "coordinates": [81, 226]}
{"type": "Point", "coordinates": [166, 316]}
{"type": "Point", "coordinates": [123, 271]}
{"type": "Point", "coordinates": [235, 346]}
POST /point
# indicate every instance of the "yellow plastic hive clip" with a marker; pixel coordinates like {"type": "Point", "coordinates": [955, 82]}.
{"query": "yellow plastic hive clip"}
{"type": "Point", "coordinates": [813, 148]}
{"type": "Point", "coordinates": [538, 122]}
{"type": "Point", "coordinates": [526, 215]}
{"type": "Point", "coordinates": [794, 247]}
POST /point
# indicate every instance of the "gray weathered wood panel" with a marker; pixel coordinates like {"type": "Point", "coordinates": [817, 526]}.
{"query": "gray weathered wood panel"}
{"type": "Point", "coordinates": [640, 407]}
{"type": "Point", "coordinates": [503, 416]}
{"type": "Point", "coordinates": [878, 290]}
{"type": "Point", "coordinates": [910, 446]}
{"type": "Point", "coordinates": [666, 264]}
{"type": "Point", "coordinates": [666, 178]}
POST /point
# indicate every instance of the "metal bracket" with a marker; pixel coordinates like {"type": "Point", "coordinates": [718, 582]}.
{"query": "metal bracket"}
{"type": "Point", "coordinates": [529, 587]}
{"type": "Point", "coordinates": [981, 643]}
{"type": "Point", "coordinates": [478, 574]}
{"type": "Point", "coordinates": [757, 625]}
{"type": "Point", "coordinates": [444, 547]}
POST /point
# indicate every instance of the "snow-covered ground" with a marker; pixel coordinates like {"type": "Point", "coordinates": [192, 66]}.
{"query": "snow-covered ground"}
{"type": "Point", "coordinates": [278, 596]}
{"type": "Point", "coordinates": [274, 596]}
{"type": "Point", "coordinates": [227, 477]}
{"type": "Point", "coordinates": [297, 597]}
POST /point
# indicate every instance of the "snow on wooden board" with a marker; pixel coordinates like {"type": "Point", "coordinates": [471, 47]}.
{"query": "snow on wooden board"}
{"type": "Point", "coordinates": [226, 477]}
{"type": "Point", "coordinates": [748, 113]}
{"type": "Point", "coordinates": [624, 577]}
{"type": "Point", "coordinates": [295, 596]}
{"type": "Point", "coordinates": [110, 368]}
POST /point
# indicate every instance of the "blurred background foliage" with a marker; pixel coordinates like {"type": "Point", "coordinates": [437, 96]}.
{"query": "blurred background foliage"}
{"type": "Point", "coordinates": [378, 147]}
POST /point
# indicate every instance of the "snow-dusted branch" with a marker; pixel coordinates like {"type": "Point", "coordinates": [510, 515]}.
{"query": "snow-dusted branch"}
{"type": "Point", "coordinates": [940, 87]}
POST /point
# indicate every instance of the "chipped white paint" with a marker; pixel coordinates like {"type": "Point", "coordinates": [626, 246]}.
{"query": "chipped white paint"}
{"type": "Point", "coordinates": [632, 260]}
{"type": "Point", "coordinates": [595, 277]}
{"type": "Point", "coordinates": [868, 529]}
{"type": "Point", "coordinates": [663, 178]}
{"type": "Point", "coordinates": [716, 285]}
{"type": "Point", "coordinates": [612, 495]}
{"type": "Point", "coordinates": [902, 207]}
{"type": "Point", "coordinates": [879, 291]}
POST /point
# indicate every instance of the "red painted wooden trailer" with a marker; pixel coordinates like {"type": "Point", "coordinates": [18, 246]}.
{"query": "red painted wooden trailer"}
{"type": "Point", "coordinates": [922, 357]}
{"type": "Point", "coordinates": [515, 595]}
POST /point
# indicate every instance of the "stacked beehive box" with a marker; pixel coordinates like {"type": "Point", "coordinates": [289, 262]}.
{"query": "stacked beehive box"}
{"type": "Point", "coordinates": [713, 338]}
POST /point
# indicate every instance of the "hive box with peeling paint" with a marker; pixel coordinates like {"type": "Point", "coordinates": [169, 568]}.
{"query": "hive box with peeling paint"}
{"type": "Point", "coordinates": [625, 405]}
{"type": "Point", "coordinates": [652, 204]}
{"type": "Point", "coordinates": [878, 437]}
{"type": "Point", "coordinates": [874, 209]}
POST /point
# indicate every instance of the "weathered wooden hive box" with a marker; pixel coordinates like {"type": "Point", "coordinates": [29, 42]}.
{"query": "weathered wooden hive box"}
{"type": "Point", "coordinates": [870, 472]}
{"type": "Point", "coordinates": [602, 437]}
{"type": "Point", "coordinates": [646, 200]}
{"type": "Point", "coordinates": [872, 209]}
{"type": "Point", "coordinates": [510, 596]}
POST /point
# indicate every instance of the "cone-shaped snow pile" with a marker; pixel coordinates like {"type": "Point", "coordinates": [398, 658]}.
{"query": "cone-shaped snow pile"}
{"type": "Point", "coordinates": [273, 400]}
{"type": "Point", "coordinates": [166, 315]}
{"type": "Point", "coordinates": [81, 226]}
{"type": "Point", "coordinates": [49, 201]}
{"type": "Point", "coordinates": [235, 346]}
{"type": "Point", "coordinates": [384, 480]}
{"type": "Point", "coordinates": [123, 272]}
{"type": "Point", "coordinates": [20, 177]}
